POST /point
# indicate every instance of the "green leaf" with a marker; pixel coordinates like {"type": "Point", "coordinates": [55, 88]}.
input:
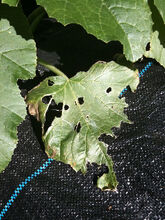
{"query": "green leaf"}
{"type": "Point", "coordinates": [158, 23]}
{"type": "Point", "coordinates": [156, 49]}
{"type": "Point", "coordinates": [11, 2]}
{"type": "Point", "coordinates": [128, 21]}
{"type": "Point", "coordinates": [17, 61]}
{"type": "Point", "coordinates": [17, 20]}
{"type": "Point", "coordinates": [160, 4]}
{"type": "Point", "coordinates": [91, 107]}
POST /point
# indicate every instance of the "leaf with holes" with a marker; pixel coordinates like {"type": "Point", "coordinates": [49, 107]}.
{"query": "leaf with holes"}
{"type": "Point", "coordinates": [128, 21]}
{"type": "Point", "coordinates": [156, 49]}
{"type": "Point", "coordinates": [17, 60]}
{"type": "Point", "coordinates": [89, 106]}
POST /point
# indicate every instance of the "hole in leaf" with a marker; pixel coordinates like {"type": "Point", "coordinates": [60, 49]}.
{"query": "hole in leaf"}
{"type": "Point", "coordinates": [148, 47]}
{"type": "Point", "coordinates": [66, 107]}
{"type": "Point", "coordinates": [108, 90]}
{"type": "Point", "coordinates": [46, 99]}
{"type": "Point", "coordinates": [100, 171]}
{"type": "Point", "coordinates": [80, 100]}
{"type": "Point", "coordinates": [77, 128]}
{"type": "Point", "coordinates": [57, 107]}
{"type": "Point", "coordinates": [31, 83]}
{"type": "Point", "coordinates": [23, 93]}
{"type": "Point", "coordinates": [50, 83]}
{"type": "Point", "coordinates": [54, 110]}
{"type": "Point", "coordinates": [87, 116]}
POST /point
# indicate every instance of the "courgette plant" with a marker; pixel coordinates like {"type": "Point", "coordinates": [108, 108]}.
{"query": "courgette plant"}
{"type": "Point", "coordinates": [90, 100]}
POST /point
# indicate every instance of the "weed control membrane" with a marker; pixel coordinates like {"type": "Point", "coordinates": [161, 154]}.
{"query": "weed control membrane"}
{"type": "Point", "coordinates": [137, 151]}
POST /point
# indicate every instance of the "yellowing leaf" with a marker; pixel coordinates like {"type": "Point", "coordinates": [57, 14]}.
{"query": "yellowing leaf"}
{"type": "Point", "coordinates": [90, 106]}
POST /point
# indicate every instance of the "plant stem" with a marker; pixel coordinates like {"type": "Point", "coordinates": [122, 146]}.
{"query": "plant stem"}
{"type": "Point", "coordinates": [52, 68]}
{"type": "Point", "coordinates": [35, 14]}
{"type": "Point", "coordinates": [36, 21]}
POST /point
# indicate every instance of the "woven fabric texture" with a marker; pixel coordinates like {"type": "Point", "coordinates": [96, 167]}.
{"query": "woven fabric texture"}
{"type": "Point", "coordinates": [61, 193]}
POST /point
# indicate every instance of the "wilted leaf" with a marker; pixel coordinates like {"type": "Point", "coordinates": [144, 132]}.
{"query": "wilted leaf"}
{"type": "Point", "coordinates": [156, 49]}
{"type": "Point", "coordinates": [90, 107]}
{"type": "Point", "coordinates": [17, 61]}
{"type": "Point", "coordinates": [160, 4]}
{"type": "Point", "coordinates": [128, 21]}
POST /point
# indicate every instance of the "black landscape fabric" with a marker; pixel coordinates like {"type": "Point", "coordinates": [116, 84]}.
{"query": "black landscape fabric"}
{"type": "Point", "coordinates": [61, 193]}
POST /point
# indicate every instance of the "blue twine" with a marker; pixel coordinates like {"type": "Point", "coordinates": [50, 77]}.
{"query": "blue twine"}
{"type": "Point", "coordinates": [22, 185]}
{"type": "Point", "coordinates": [140, 75]}
{"type": "Point", "coordinates": [47, 163]}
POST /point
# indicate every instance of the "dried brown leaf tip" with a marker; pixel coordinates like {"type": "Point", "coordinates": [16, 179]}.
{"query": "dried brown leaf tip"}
{"type": "Point", "coordinates": [33, 110]}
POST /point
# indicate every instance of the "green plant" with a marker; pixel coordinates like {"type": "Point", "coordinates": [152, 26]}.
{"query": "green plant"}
{"type": "Point", "coordinates": [73, 138]}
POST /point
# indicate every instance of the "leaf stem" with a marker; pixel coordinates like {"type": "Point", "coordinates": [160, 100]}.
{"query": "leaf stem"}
{"type": "Point", "coordinates": [35, 17]}
{"type": "Point", "coordinates": [36, 21]}
{"type": "Point", "coordinates": [52, 68]}
{"type": "Point", "coordinates": [35, 14]}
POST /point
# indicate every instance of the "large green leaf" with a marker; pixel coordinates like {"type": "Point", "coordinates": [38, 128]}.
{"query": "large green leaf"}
{"type": "Point", "coordinates": [156, 49]}
{"type": "Point", "coordinates": [17, 61]}
{"type": "Point", "coordinates": [11, 2]}
{"type": "Point", "coordinates": [91, 107]}
{"type": "Point", "coordinates": [160, 4]}
{"type": "Point", "coordinates": [128, 21]}
{"type": "Point", "coordinates": [17, 20]}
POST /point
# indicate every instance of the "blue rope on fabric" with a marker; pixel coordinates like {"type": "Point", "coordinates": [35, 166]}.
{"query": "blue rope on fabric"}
{"type": "Point", "coordinates": [22, 185]}
{"type": "Point", "coordinates": [46, 164]}
{"type": "Point", "coordinates": [140, 75]}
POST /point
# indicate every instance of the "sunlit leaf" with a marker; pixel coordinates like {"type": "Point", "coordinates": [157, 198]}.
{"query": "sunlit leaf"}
{"type": "Point", "coordinates": [89, 106]}
{"type": "Point", "coordinates": [128, 21]}
{"type": "Point", "coordinates": [11, 2]}
{"type": "Point", "coordinates": [156, 51]}
{"type": "Point", "coordinates": [17, 61]}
